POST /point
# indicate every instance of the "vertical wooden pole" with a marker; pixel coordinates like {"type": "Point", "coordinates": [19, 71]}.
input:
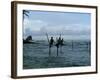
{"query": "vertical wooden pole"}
{"type": "Point", "coordinates": [49, 51]}
{"type": "Point", "coordinates": [57, 51]}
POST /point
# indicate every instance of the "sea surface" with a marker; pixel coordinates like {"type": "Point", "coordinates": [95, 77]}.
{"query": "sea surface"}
{"type": "Point", "coordinates": [74, 53]}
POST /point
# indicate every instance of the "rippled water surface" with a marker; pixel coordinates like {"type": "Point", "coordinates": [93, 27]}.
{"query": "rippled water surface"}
{"type": "Point", "coordinates": [74, 53]}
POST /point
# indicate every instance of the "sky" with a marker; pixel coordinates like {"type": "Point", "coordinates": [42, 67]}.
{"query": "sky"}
{"type": "Point", "coordinates": [72, 24]}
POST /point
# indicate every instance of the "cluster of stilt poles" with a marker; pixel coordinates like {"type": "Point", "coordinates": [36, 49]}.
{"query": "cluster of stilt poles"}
{"type": "Point", "coordinates": [58, 44]}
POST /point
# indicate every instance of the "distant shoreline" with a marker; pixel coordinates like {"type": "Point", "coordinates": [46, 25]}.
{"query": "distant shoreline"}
{"type": "Point", "coordinates": [65, 37]}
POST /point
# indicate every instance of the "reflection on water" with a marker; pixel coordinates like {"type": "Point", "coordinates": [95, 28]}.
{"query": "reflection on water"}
{"type": "Point", "coordinates": [37, 55]}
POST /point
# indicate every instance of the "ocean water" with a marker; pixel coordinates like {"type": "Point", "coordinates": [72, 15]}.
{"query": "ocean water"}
{"type": "Point", "coordinates": [74, 53]}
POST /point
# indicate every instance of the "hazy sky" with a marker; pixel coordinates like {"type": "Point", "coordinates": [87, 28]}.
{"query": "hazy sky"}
{"type": "Point", "coordinates": [65, 23]}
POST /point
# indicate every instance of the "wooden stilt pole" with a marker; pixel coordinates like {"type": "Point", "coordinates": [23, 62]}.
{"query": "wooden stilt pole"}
{"type": "Point", "coordinates": [57, 51]}
{"type": "Point", "coordinates": [49, 45]}
{"type": "Point", "coordinates": [49, 51]}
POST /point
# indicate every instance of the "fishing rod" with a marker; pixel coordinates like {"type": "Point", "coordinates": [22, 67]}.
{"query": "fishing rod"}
{"type": "Point", "coordinates": [49, 44]}
{"type": "Point", "coordinates": [47, 37]}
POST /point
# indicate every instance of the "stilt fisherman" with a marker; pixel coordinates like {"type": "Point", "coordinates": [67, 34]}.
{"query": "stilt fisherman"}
{"type": "Point", "coordinates": [51, 42]}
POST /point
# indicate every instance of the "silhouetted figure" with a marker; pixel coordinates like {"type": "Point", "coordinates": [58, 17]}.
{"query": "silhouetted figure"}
{"type": "Point", "coordinates": [61, 44]}
{"type": "Point", "coordinates": [51, 42]}
{"type": "Point", "coordinates": [62, 41]}
{"type": "Point", "coordinates": [59, 40]}
{"type": "Point", "coordinates": [57, 44]}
